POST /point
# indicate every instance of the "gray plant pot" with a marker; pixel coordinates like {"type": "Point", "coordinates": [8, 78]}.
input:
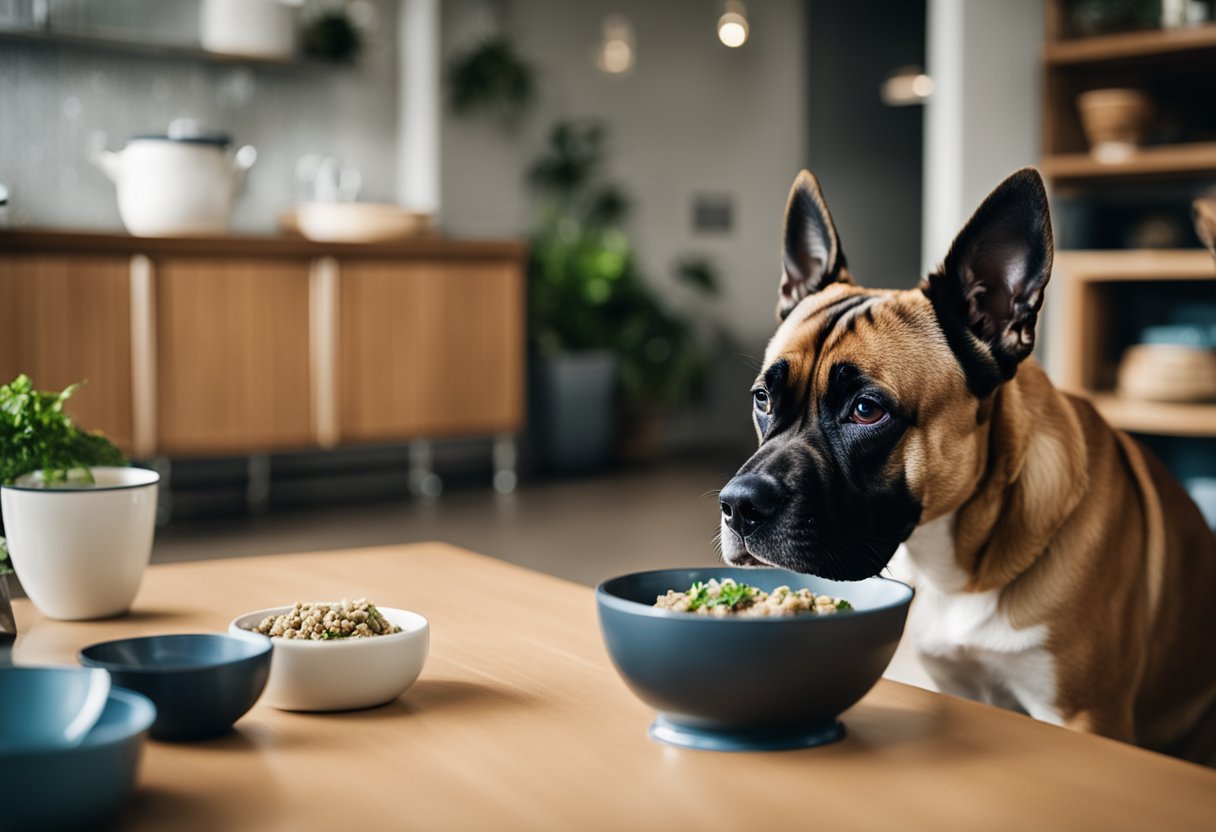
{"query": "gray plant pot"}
{"type": "Point", "coordinates": [573, 412]}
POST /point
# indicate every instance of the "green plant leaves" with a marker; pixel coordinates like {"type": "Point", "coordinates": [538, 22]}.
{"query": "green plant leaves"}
{"type": "Point", "coordinates": [492, 77]}
{"type": "Point", "coordinates": [37, 434]}
{"type": "Point", "coordinates": [586, 290]}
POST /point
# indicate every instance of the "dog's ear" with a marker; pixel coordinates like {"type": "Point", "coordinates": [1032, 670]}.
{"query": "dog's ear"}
{"type": "Point", "coordinates": [988, 292]}
{"type": "Point", "coordinates": [811, 254]}
{"type": "Point", "coordinates": [1205, 222]}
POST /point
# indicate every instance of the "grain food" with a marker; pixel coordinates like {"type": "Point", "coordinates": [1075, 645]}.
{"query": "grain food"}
{"type": "Point", "coordinates": [728, 598]}
{"type": "Point", "coordinates": [324, 622]}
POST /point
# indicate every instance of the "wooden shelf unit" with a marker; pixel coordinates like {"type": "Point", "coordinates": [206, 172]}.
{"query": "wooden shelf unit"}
{"type": "Point", "coordinates": [1175, 67]}
{"type": "Point", "coordinates": [1086, 284]}
{"type": "Point", "coordinates": [1102, 298]}
{"type": "Point", "coordinates": [1196, 419]}
{"type": "Point", "coordinates": [1158, 161]}
{"type": "Point", "coordinates": [1127, 46]}
{"type": "Point", "coordinates": [105, 41]}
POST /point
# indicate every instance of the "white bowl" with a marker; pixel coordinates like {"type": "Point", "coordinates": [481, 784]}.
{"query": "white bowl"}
{"type": "Point", "coordinates": [81, 550]}
{"type": "Point", "coordinates": [358, 222]}
{"type": "Point", "coordinates": [343, 674]}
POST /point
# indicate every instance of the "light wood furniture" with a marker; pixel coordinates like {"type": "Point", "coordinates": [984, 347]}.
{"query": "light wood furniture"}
{"type": "Point", "coordinates": [1096, 294]}
{"type": "Point", "coordinates": [1174, 160]}
{"type": "Point", "coordinates": [435, 327]}
{"type": "Point", "coordinates": [64, 319]}
{"type": "Point", "coordinates": [1125, 46]}
{"type": "Point", "coordinates": [1176, 67]}
{"type": "Point", "coordinates": [247, 345]}
{"type": "Point", "coordinates": [1089, 292]}
{"type": "Point", "coordinates": [232, 354]}
{"type": "Point", "coordinates": [519, 722]}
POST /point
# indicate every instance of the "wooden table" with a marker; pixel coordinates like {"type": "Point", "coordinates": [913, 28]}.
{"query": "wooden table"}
{"type": "Point", "coordinates": [520, 722]}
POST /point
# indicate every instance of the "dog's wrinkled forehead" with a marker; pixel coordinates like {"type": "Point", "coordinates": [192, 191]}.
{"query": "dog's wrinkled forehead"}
{"type": "Point", "coordinates": [892, 336]}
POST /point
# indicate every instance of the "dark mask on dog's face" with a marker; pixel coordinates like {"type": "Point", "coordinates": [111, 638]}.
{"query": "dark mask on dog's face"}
{"type": "Point", "coordinates": [872, 406]}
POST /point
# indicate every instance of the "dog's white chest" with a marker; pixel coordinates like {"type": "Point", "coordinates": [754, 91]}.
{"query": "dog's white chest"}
{"type": "Point", "coordinates": [965, 640]}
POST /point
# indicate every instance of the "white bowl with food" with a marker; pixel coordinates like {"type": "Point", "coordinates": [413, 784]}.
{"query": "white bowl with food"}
{"type": "Point", "coordinates": [338, 656]}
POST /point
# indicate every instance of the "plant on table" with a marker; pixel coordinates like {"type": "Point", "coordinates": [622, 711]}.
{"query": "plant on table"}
{"type": "Point", "coordinates": [37, 434]}
{"type": "Point", "coordinates": [80, 551]}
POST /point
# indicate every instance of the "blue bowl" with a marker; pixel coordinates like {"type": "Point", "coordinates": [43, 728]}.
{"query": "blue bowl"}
{"type": "Point", "coordinates": [735, 684]}
{"type": "Point", "coordinates": [80, 786]}
{"type": "Point", "coordinates": [42, 707]}
{"type": "Point", "coordinates": [201, 683]}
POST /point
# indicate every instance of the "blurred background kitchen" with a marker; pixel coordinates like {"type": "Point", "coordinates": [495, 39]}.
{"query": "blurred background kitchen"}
{"type": "Point", "coordinates": [500, 272]}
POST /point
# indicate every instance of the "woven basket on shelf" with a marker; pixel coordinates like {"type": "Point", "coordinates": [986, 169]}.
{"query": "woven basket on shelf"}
{"type": "Point", "coordinates": [1168, 373]}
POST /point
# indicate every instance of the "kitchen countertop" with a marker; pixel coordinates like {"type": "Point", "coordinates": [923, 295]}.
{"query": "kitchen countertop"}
{"type": "Point", "coordinates": [95, 242]}
{"type": "Point", "coordinates": [519, 722]}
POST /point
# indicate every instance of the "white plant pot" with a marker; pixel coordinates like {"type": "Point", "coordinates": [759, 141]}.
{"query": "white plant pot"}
{"type": "Point", "coordinates": [81, 551]}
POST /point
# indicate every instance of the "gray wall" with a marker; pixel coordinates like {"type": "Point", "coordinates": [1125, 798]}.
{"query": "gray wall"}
{"type": "Point", "coordinates": [53, 98]}
{"type": "Point", "coordinates": [692, 116]}
{"type": "Point", "coordinates": [983, 120]}
{"type": "Point", "coordinates": [867, 155]}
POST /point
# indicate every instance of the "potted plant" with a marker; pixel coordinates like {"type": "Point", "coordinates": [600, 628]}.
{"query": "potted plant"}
{"type": "Point", "coordinates": [78, 521]}
{"type": "Point", "coordinates": [596, 326]}
{"type": "Point", "coordinates": [491, 78]}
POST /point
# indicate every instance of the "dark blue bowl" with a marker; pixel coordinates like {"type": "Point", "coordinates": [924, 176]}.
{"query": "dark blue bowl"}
{"type": "Point", "coordinates": [750, 683]}
{"type": "Point", "coordinates": [81, 786]}
{"type": "Point", "coordinates": [201, 683]}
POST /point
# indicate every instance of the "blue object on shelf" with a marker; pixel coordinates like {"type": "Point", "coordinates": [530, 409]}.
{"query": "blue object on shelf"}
{"type": "Point", "coordinates": [1180, 335]}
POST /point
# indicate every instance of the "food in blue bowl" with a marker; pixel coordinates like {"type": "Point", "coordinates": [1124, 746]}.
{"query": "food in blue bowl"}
{"type": "Point", "coordinates": [201, 683]}
{"type": "Point", "coordinates": [741, 678]}
{"type": "Point", "coordinates": [76, 786]}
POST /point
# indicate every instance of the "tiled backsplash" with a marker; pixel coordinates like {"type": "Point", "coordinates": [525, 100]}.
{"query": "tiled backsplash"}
{"type": "Point", "coordinates": [55, 98]}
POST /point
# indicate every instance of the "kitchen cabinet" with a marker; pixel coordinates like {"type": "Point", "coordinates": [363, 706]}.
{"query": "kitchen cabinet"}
{"type": "Point", "coordinates": [66, 318]}
{"type": "Point", "coordinates": [446, 339]}
{"type": "Point", "coordinates": [235, 346]}
{"type": "Point", "coordinates": [232, 347]}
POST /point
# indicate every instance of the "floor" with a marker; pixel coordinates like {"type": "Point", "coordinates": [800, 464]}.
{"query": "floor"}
{"type": "Point", "coordinates": [584, 530]}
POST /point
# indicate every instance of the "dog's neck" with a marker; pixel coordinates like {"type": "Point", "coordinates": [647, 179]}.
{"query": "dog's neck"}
{"type": "Point", "coordinates": [1028, 487]}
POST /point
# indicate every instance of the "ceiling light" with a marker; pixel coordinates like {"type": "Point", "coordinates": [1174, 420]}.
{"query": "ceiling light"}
{"type": "Point", "coordinates": [617, 52]}
{"type": "Point", "coordinates": [906, 86]}
{"type": "Point", "coordinates": [732, 25]}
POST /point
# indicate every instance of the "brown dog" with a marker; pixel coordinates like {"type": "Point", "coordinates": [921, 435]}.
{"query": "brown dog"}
{"type": "Point", "coordinates": [1060, 569]}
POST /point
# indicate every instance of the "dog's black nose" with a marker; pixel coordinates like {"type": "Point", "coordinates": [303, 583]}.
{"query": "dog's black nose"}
{"type": "Point", "coordinates": [748, 500]}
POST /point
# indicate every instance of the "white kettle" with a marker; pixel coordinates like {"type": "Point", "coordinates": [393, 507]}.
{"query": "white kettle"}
{"type": "Point", "coordinates": [183, 182]}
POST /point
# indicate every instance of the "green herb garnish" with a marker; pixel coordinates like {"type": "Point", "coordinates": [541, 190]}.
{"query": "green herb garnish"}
{"type": "Point", "coordinates": [36, 434]}
{"type": "Point", "coordinates": [326, 635]}
{"type": "Point", "coordinates": [729, 595]}
{"type": "Point", "coordinates": [842, 605]}
{"type": "Point", "coordinates": [732, 595]}
{"type": "Point", "coordinates": [698, 595]}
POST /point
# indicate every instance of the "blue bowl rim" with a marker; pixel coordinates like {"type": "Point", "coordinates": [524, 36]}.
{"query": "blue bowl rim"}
{"type": "Point", "coordinates": [144, 710]}
{"type": "Point", "coordinates": [258, 647]}
{"type": "Point", "coordinates": [603, 596]}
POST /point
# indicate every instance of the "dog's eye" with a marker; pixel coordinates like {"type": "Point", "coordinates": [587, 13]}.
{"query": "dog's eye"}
{"type": "Point", "coordinates": [867, 412]}
{"type": "Point", "coordinates": [761, 399]}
